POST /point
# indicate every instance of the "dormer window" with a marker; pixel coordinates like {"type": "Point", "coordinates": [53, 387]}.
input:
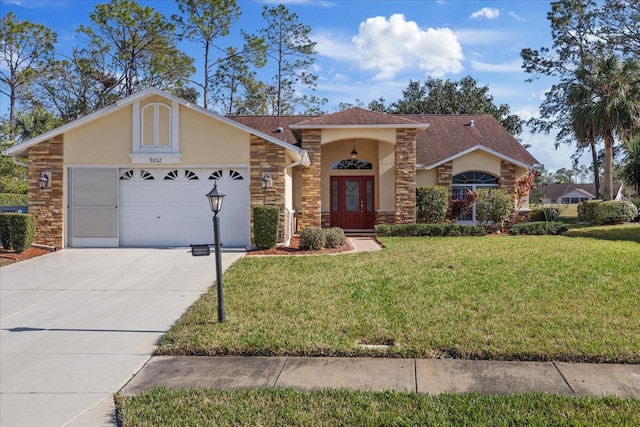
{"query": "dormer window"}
{"type": "Point", "coordinates": [156, 133]}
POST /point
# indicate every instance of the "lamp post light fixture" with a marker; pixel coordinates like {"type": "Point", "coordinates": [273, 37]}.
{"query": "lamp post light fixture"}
{"type": "Point", "coordinates": [266, 180]}
{"type": "Point", "coordinates": [215, 202]}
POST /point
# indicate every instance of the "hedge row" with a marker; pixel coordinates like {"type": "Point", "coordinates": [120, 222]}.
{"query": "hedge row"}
{"type": "Point", "coordinates": [538, 228]}
{"type": "Point", "coordinates": [405, 230]}
{"type": "Point", "coordinates": [601, 212]}
{"type": "Point", "coordinates": [17, 231]}
{"type": "Point", "coordinates": [266, 225]}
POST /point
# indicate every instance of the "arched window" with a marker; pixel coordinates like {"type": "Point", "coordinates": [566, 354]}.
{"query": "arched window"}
{"type": "Point", "coordinates": [474, 177]}
{"type": "Point", "coordinates": [471, 181]}
{"type": "Point", "coordinates": [352, 164]}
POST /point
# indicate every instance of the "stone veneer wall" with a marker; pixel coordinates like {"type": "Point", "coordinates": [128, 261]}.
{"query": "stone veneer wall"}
{"type": "Point", "coordinates": [266, 157]}
{"type": "Point", "coordinates": [507, 175]}
{"type": "Point", "coordinates": [444, 176]}
{"type": "Point", "coordinates": [47, 206]}
{"type": "Point", "coordinates": [385, 217]}
{"type": "Point", "coordinates": [310, 214]}
{"type": "Point", "coordinates": [405, 176]}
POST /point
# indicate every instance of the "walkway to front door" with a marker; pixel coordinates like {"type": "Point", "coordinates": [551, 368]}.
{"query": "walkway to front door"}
{"type": "Point", "coordinates": [352, 204]}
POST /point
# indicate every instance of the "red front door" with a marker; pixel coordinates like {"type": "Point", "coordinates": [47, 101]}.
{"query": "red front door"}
{"type": "Point", "coordinates": [352, 206]}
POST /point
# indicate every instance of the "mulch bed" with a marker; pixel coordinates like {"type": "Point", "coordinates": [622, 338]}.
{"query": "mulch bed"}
{"type": "Point", "coordinates": [294, 249]}
{"type": "Point", "coordinates": [14, 256]}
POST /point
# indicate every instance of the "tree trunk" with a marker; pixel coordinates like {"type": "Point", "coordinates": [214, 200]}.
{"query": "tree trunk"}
{"type": "Point", "coordinates": [607, 185]}
{"type": "Point", "coordinates": [596, 167]}
{"type": "Point", "coordinates": [205, 95]}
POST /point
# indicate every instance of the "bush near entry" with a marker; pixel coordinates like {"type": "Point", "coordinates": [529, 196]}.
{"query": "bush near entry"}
{"type": "Point", "coordinates": [265, 226]}
{"type": "Point", "coordinates": [17, 231]}
{"type": "Point", "coordinates": [432, 203]}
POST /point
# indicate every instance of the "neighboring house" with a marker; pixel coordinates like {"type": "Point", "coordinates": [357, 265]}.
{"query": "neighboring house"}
{"type": "Point", "coordinates": [569, 193]}
{"type": "Point", "coordinates": [136, 173]}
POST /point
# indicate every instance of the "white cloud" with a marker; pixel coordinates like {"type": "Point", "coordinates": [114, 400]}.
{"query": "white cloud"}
{"type": "Point", "coordinates": [515, 16]}
{"type": "Point", "coordinates": [507, 67]}
{"type": "Point", "coordinates": [485, 12]}
{"type": "Point", "coordinates": [390, 46]}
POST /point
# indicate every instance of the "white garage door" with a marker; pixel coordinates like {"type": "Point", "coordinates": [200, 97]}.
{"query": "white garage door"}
{"type": "Point", "coordinates": [168, 207]}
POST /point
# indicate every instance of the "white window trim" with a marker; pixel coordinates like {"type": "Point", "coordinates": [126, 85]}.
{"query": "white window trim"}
{"type": "Point", "coordinates": [138, 127]}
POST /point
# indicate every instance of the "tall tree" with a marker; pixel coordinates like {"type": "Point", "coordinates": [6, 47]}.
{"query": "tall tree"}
{"type": "Point", "coordinates": [25, 49]}
{"type": "Point", "coordinates": [289, 45]}
{"type": "Point", "coordinates": [237, 90]}
{"type": "Point", "coordinates": [437, 96]}
{"type": "Point", "coordinates": [612, 88]}
{"type": "Point", "coordinates": [140, 45]}
{"type": "Point", "coordinates": [35, 122]}
{"type": "Point", "coordinates": [575, 31]}
{"type": "Point", "coordinates": [206, 21]}
{"type": "Point", "coordinates": [621, 26]}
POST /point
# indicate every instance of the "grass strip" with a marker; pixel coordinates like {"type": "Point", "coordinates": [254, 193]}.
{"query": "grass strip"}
{"type": "Point", "coordinates": [262, 407]}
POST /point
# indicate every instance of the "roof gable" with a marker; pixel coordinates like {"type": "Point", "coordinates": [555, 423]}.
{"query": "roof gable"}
{"type": "Point", "coordinates": [21, 148]}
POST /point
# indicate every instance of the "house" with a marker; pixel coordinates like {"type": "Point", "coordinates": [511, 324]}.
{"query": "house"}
{"type": "Point", "coordinates": [136, 173]}
{"type": "Point", "coordinates": [569, 193]}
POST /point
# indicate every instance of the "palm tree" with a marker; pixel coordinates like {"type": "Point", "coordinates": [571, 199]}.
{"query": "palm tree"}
{"type": "Point", "coordinates": [631, 168]}
{"type": "Point", "coordinates": [584, 130]}
{"type": "Point", "coordinates": [610, 94]}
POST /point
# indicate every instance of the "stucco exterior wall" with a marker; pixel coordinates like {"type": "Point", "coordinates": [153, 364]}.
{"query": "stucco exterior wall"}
{"type": "Point", "coordinates": [426, 178]}
{"type": "Point", "coordinates": [477, 161]}
{"type": "Point", "coordinates": [202, 141]}
{"type": "Point", "coordinates": [102, 142]}
{"type": "Point", "coordinates": [349, 134]}
{"type": "Point", "coordinates": [207, 141]}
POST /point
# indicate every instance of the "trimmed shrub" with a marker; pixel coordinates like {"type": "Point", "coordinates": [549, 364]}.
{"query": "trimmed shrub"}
{"type": "Point", "coordinates": [614, 212]}
{"type": "Point", "coordinates": [17, 231]}
{"type": "Point", "coordinates": [493, 207]}
{"type": "Point", "coordinates": [334, 237]}
{"type": "Point", "coordinates": [266, 224]}
{"type": "Point", "coordinates": [545, 213]}
{"type": "Point", "coordinates": [11, 199]}
{"type": "Point", "coordinates": [538, 228]}
{"type": "Point", "coordinates": [587, 210]}
{"type": "Point", "coordinates": [429, 230]}
{"type": "Point", "coordinates": [312, 238]}
{"type": "Point", "coordinates": [432, 203]}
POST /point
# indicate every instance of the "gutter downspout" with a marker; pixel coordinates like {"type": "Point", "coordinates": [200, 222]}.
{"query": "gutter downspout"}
{"type": "Point", "coordinates": [19, 163]}
{"type": "Point", "coordinates": [304, 161]}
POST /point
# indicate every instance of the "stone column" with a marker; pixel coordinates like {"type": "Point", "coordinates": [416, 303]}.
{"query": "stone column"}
{"type": "Point", "coordinates": [311, 208]}
{"type": "Point", "coordinates": [268, 158]}
{"type": "Point", "coordinates": [405, 175]}
{"type": "Point", "coordinates": [47, 206]}
{"type": "Point", "coordinates": [444, 175]}
{"type": "Point", "coordinates": [507, 175]}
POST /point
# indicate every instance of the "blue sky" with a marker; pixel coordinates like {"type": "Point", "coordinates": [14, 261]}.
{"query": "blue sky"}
{"type": "Point", "coordinates": [371, 49]}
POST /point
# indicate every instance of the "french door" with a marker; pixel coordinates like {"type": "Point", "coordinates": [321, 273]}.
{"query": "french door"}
{"type": "Point", "coordinates": [352, 204]}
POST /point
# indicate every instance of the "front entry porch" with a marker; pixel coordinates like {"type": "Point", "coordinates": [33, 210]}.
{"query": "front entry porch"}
{"type": "Point", "coordinates": [352, 202]}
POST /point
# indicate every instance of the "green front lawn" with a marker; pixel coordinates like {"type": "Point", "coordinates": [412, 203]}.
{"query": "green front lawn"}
{"type": "Point", "coordinates": [569, 298]}
{"type": "Point", "coordinates": [572, 297]}
{"type": "Point", "coordinates": [278, 407]}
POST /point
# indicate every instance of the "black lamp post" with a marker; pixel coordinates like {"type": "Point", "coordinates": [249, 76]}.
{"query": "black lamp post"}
{"type": "Point", "coordinates": [215, 201]}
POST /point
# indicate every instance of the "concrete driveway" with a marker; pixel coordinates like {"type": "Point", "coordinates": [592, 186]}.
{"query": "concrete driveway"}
{"type": "Point", "coordinates": [75, 325]}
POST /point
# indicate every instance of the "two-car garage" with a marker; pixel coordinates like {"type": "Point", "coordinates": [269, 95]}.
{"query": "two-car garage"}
{"type": "Point", "coordinates": [155, 207]}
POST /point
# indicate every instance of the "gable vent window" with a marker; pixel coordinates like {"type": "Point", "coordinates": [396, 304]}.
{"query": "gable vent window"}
{"type": "Point", "coordinates": [156, 125]}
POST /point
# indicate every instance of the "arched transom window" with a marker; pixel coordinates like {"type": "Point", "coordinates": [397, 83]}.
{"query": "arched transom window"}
{"type": "Point", "coordinates": [352, 164]}
{"type": "Point", "coordinates": [474, 177]}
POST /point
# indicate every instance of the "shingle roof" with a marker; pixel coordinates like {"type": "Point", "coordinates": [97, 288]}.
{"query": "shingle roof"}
{"type": "Point", "coordinates": [446, 135]}
{"type": "Point", "coordinates": [357, 116]}
{"type": "Point", "coordinates": [450, 134]}
{"type": "Point", "coordinates": [556, 191]}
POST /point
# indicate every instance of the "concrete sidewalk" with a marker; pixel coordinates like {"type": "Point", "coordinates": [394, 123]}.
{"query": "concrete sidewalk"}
{"type": "Point", "coordinates": [432, 376]}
